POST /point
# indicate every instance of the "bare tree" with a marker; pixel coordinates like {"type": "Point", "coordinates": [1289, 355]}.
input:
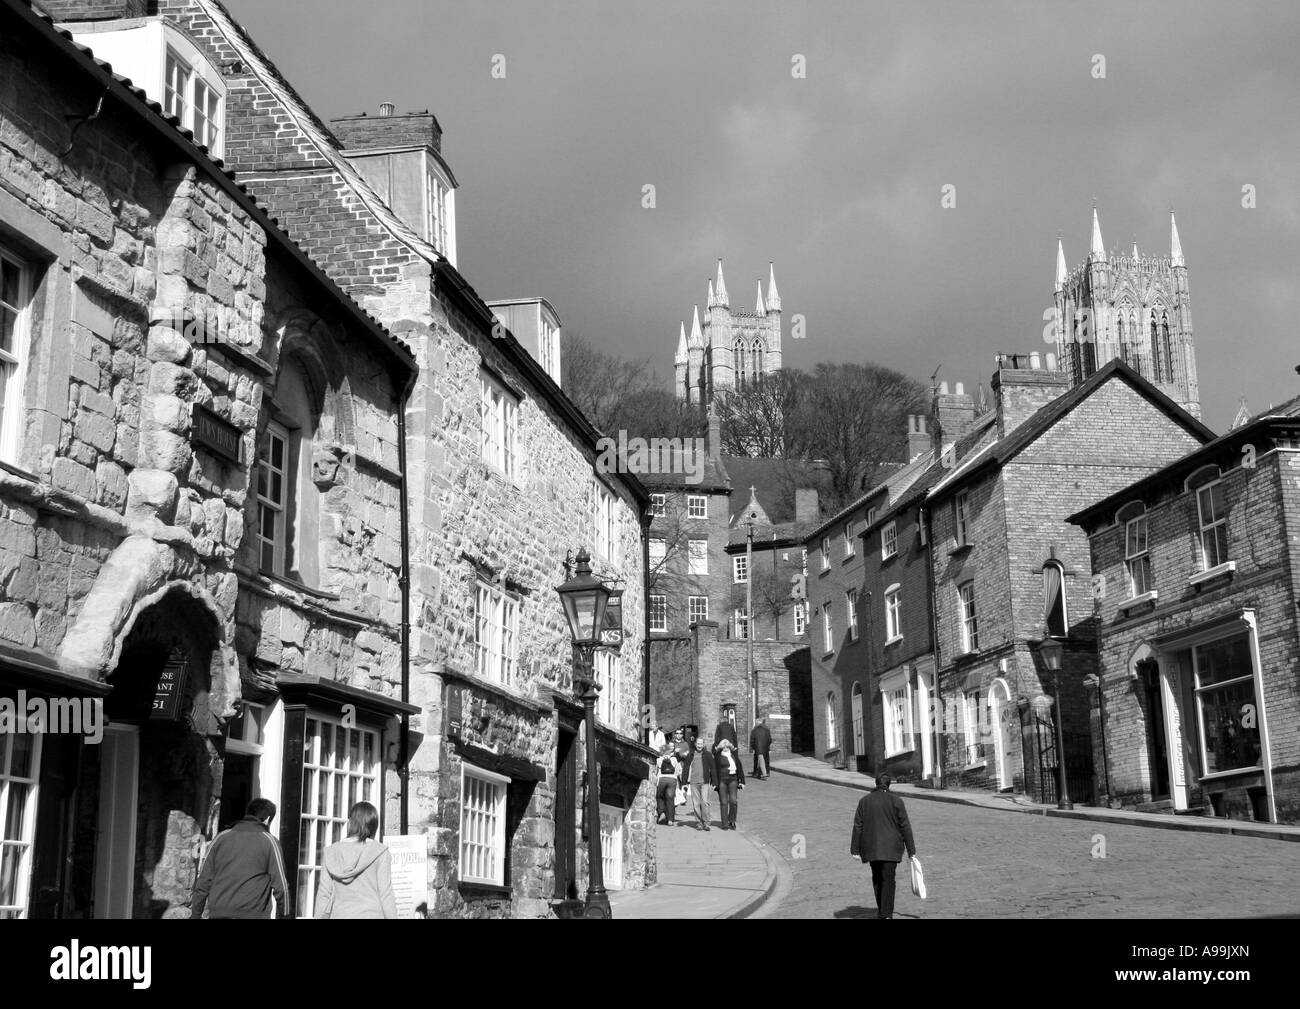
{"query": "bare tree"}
{"type": "Point", "coordinates": [772, 594]}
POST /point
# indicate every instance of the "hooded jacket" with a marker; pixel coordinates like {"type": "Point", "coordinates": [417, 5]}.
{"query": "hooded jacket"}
{"type": "Point", "coordinates": [356, 881]}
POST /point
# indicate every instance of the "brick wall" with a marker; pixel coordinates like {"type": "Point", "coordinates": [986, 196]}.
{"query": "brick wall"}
{"type": "Point", "coordinates": [94, 10]}
{"type": "Point", "coordinates": [368, 132]}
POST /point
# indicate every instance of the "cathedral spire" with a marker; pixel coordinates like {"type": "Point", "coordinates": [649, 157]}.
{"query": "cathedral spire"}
{"type": "Point", "coordinates": [697, 338]}
{"type": "Point", "coordinates": [759, 306]}
{"type": "Point", "coordinates": [720, 290]}
{"type": "Point", "coordinates": [712, 300]}
{"type": "Point", "coordinates": [1175, 246]}
{"type": "Point", "coordinates": [773, 298]}
{"type": "Point", "coordinates": [1135, 248]}
{"type": "Point", "coordinates": [681, 347]}
{"type": "Point", "coordinates": [1098, 251]}
{"type": "Point", "coordinates": [1061, 272]}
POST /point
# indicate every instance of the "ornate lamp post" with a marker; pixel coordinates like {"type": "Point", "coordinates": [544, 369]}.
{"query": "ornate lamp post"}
{"type": "Point", "coordinates": [585, 597]}
{"type": "Point", "coordinates": [1051, 650]}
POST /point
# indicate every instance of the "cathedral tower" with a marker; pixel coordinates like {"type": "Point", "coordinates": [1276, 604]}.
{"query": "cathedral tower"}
{"type": "Point", "coordinates": [733, 348]}
{"type": "Point", "coordinates": [1133, 307]}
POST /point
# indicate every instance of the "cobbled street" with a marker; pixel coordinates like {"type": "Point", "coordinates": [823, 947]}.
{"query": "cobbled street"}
{"type": "Point", "coordinates": [983, 863]}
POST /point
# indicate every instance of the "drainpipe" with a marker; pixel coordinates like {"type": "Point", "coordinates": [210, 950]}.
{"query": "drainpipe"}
{"type": "Point", "coordinates": [646, 519]}
{"type": "Point", "coordinates": [924, 515]}
{"type": "Point", "coordinates": [404, 583]}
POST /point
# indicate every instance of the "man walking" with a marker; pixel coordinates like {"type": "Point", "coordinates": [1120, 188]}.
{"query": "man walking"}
{"type": "Point", "coordinates": [726, 730]}
{"type": "Point", "coordinates": [731, 779]}
{"type": "Point", "coordinates": [880, 833]}
{"type": "Point", "coordinates": [701, 773]}
{"type": "Point", "coordinates": [760, 743]}
{"type": "Point", "coordinates": [242, 870]}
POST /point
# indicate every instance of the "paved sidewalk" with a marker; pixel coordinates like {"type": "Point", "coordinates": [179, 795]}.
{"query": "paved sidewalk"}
{"type": "Point", "coordinates": [713, 874]}
{"type": "Point", "coordinates": [809, 767]}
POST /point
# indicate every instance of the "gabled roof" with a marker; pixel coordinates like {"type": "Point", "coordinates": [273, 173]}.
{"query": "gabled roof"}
{"type": "Point", "coordinates": [1286, 416]}
{"type": "Point", "coordinates": [770, 478]}
{"type": "Point", "coordinates": [169, 128]}
{"type": "Point", "coordinates": [900, 477]}
{"type": "Point", "coordinates": [970, 445]}
{"type": "Point", "coordinates": [1002, 451]}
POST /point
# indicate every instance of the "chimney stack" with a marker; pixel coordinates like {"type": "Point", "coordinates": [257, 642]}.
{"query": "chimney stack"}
{"type": "Point", "coordinates": [1020, 391]}
{"type": "Point", "coordinates": [388, 129]}
{"type": "Point", "coordinates": [951, 416]}
{"type": "Point", "coordinates": [94, 10]}
{"type": "Point", "coordinates": [918, 436]}
{"type": "Point", "coordinates": [805, 505]}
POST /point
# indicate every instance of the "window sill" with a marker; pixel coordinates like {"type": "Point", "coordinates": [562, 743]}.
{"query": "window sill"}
{"type": "Point", "coordinates": [976, 766]}
{"type": "Point", "coordinates": [1145, 597]}
{"type": "Point", "coordinates": [959, 548]}
{"type": "Point", "coordinates": [1236, 773]}
{"type": "Point", "coordinates": [894, 640]}
{"type": "Point", "coordinates": [827, 655]}
{"type": "Point", "coordinates": [1226, 568]}
{"type": "Point", "coordinates": [892, 754]}
{"type": "Point", "coordinates": [18, 471]}
{"type": "Point", "coordinates": [297, 586]}
{"type": "Point", "coordinates": [823, 572]}
{"type": "Point", "coordinates": [888, 557]}
{"type": "Point", "coordinates": [471, 890]}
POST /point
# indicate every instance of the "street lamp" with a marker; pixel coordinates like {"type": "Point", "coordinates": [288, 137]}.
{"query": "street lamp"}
{"type": "Point", "coordinates": [1051, 650]}
{"type": "Point", "coordinates": [585, 597]}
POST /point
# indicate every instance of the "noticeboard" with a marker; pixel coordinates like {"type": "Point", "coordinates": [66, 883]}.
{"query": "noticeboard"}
{"type": "Point", "coordinates": [410, 872]}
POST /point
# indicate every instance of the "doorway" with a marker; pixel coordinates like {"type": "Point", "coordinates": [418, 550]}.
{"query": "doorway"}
{"type": "Point", "coordinates": [119, 775]}
{"type": "Point", "coordinates": [1157, 737]}
{"type": "Point", "coordinates": [1003, 714]}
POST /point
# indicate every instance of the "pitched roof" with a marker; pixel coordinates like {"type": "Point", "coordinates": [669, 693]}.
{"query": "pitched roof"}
{"type": "Point", "coordinates": [1287, 415]}
{"type": "Point", "coordinates": [900, 477]}
{"type": "Point", "coordinates": [773, 481]}
{"type": "Point", "coordinates": [1002, 451]}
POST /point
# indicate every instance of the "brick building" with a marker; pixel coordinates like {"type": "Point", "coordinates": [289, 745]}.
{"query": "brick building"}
{"type": "Point", "coordinates": [1196, 621]}
{"type": "Point", "coordinates": [499, 463]}
{"type": "Point", "coordinates": [1005, 561]}
{"type": "Point", "coordinates": [200, 492]}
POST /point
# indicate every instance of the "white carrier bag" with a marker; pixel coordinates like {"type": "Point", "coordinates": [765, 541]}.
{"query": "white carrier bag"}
{"type": "Point", "coordinates": [918, 878]}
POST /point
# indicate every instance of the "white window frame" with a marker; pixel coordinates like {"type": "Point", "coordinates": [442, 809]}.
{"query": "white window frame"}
{"type": "Point", "coordinates": [741, 624]}
{"type": "Point", "coordinates": [828, 632]}
{"type": "Point", "coordinates": [499, 416]}
{"type": "Point", "coordinates": [658, 613]}
{"type": "Point", "coordinates": [966, 612]}
{"type": "Point", "coordinates": [1137, 560]}
{"type": "Point", "coordinates": [832, 723]}
{"type": "Point", "coordinates": [871, 517]}
{"type": "Point", "coordinates": [176, 93]}
{"type": "Point", "coordinates": [800, 618]}
{"type": "Point", "coordinates": [198, 102]}
{"type": "Point", "coordinates": [889, 540]}
{"type": "Point", "coordinates": [496, 634]}
{"type": "Point", "coordinates": [436, 196]}
{"type": "Point", "coordinates": [697, 506]}
{"type": "Point", "coordinates": [1064, 630]}
{"type": "Point", "coordinates": [1200, 691]}
{"type": "Point", "coordinates": [849, 549]}
{"type": "Point", "coordinates": [267, 501]}
{"type": "Point", "coordinates": [332, 817]}
{"type": "Point", "coordinates": [658, 506]}
{"type": "Point", "coordinates": [605, 522]}
{"type": "Point", "coordinates": [851, 606]}
{"type": "Point", "coordinates": [826, 553]}
{"type": "Point", "coordinates": [961, 518]}
{"type": "Point", "coordinates": [972, 707]}
{"type": "Point", "coordinates": [482, 858]}
{"type": "Point", "coordinates": [1217, 521]}
{"type": "Point", "coordinates": [697, 609]}
{"type": "Point", "coordinates": [612, 821]}
{"type": "Point", "coordinates": [609, 675]}
{"type": "Point", "coordinates": [893, 614]}
{"type": "Point", "coordinates": [658, 549]}
{"type": "Point", "coordinates": [25, 839]}
{"type": "Point", "coordinates": [207, 115]}
{"type": "Point", "coordinates": [739, 569]}
{"type": "Point", "coordinates": [13, 363]}
{"type": "Point", "coordinates": [697, 557]}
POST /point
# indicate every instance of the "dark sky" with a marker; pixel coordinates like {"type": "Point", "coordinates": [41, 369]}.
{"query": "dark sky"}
{"type": "Point", "coordinates": [837, 177]}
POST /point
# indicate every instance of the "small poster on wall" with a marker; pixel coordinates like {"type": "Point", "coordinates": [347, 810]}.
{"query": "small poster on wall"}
{"type": "Point", "coordinates": [410, 872]}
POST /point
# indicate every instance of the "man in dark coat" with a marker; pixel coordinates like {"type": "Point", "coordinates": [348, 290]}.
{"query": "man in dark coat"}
{"type": "Point", "coordinates": [760, 742]}
{"type": "Point", "coordinates": [730, 777]}
{"type": "Point", "coordinates": [726, 730]}
{"type": "Point", "coordinates": [700, 776]}
{"type": "Point", "coordinates": [880, 833]}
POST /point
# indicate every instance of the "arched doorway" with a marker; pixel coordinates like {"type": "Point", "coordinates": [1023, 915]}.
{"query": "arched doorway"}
{"type": "Point", "coordinates": [159, 778]}
{"type": "Point", "coordinates": [1004, 720]}
{"type": "Point", "coordinates": [859, 728]}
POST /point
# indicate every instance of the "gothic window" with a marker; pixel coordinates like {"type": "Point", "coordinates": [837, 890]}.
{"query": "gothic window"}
{"type": "Point", "coordinates": [1166, 346]}
{"type": "Point", "coordinates": [1123, 343]}
{"type": "Point", "coordinates": [738, 351]}
{"type": "Point", "coordinates": [756, 361]}
{"type": "Point", "coordinates": [1156, 372]}
{"type": "Point", "coordinates": [1134, 335]}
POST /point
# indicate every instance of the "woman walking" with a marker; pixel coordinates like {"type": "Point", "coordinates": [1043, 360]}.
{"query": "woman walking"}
{"type": "Point", "coordinates": [666, 786]}
{"type": "Point", "coordinates": [357, 876]}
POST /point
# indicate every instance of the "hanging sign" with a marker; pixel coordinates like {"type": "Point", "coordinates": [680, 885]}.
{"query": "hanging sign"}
{"type": "Point", "coordinates": [170, 692]}
{"type": "Point", "coordinates": [611, 631]}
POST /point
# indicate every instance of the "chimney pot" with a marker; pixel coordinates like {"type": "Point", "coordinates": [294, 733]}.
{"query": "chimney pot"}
{"type": "Point", "coordinates": [959, 390]}
{"type": "Point", "coordinates": [387, 108]}
{"type": "Point", "coordinates": [1034, 361]}
{"type": "Point", "coordinates": [943, 388]}
{"type": "Point", "coordinates": [1051, 361]}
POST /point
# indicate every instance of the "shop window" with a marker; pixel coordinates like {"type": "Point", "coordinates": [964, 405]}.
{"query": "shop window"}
{"type": "Point", "coordinates": [482, 826]}
{"type": "Point", "coordinates": [611, 845]}
{"type": "Point", "coordinates": [1226, 703]}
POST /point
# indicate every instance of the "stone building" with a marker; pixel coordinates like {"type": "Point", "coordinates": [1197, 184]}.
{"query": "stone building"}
{"type": "Point", "coordinates": [200, 498]}
{"type": "Point", "coordinates": [1005, 564]}
{"type": "Point", "coordinates": [1196, 621]}
{"type": "Point", "coordinates": [499, 463]}
{"type": "Point", "coordinates": [732, 348]}
{"type": "Point", "coordinates": [1130, 307]}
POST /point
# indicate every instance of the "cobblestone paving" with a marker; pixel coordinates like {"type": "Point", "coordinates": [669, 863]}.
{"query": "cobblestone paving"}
{"type": "Point", "coordinates": [983, 863]}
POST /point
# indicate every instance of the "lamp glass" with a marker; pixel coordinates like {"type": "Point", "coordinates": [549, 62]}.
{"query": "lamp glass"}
{"type": "Point", "coordinates": [1051, 650]}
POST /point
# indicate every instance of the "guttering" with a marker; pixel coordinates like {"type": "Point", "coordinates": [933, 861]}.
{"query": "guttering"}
{"type": "Point", "coordinates": [404, 583]}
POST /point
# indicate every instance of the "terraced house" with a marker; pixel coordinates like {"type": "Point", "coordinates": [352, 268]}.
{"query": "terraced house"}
{"type": "Point", "coordinates": [200, 491]}
{"type": "Point", "coordinates": [1196, 626]}
{"type": "Point", "coordinates": [498, 463]}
